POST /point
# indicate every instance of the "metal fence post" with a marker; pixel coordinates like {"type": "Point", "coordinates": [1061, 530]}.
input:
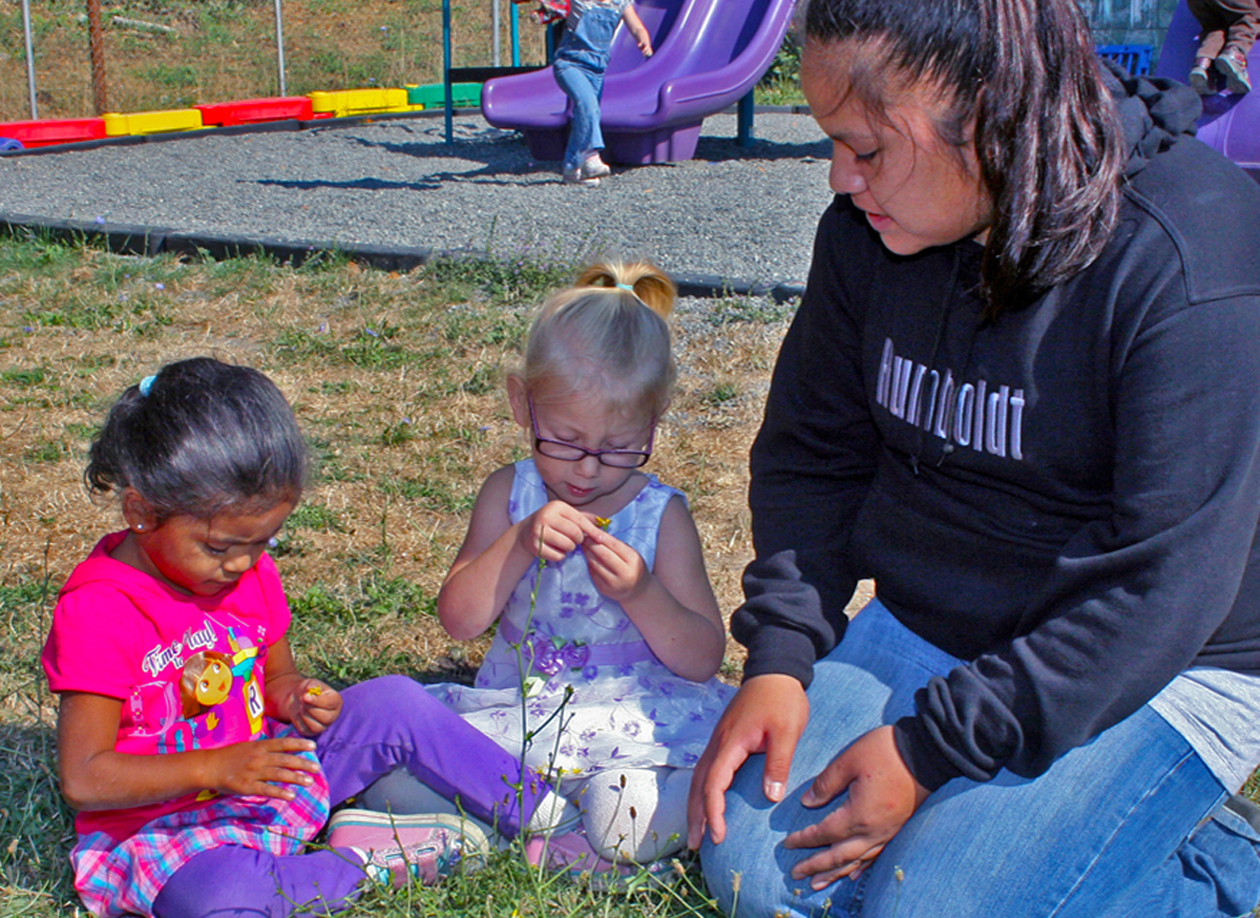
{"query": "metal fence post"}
{"type": "Point", "coordinates": [30, 56]}
{"type": "Point", "coordinates": [280, 46]}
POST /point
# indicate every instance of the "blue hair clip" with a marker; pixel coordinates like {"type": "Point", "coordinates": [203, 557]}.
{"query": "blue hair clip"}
{"type": "Point", "coordinates": [629, 287]}
{"type": "Point", "coordinates": [146, 385]}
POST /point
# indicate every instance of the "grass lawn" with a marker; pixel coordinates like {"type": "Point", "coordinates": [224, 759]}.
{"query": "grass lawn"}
{"type": "Point", "coordinates": [397, 382]}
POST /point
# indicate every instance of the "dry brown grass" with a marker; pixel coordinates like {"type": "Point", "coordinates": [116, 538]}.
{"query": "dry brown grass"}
{"type": "Point", "coordinates": [396, 379]}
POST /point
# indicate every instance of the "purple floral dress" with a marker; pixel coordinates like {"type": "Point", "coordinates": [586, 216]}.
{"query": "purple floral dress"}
{"type": "Point", "coordinates": [626, 710]}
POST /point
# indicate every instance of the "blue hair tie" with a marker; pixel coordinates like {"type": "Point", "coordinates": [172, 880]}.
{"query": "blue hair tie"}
{"type": "Point", "coordinates": [146, 385]}
{"type": "Point", "coordinates": [629, 287]}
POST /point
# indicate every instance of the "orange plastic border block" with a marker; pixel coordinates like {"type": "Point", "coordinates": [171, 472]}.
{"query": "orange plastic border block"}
{"type": "Point", "coordinates": [179, 119]}
{"type": "Point", "coordinates": [45, 133]}
{"type": "Point", "coordinates": [252, 111]}
{"type": "Point", "coordinates": [346, 102]}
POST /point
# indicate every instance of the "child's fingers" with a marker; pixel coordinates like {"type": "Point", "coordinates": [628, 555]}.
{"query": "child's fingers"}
{"type": "Point", "coordinates": [282, 749]}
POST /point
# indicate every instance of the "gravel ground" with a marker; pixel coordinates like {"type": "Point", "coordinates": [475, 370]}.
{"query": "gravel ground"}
{"type": "Point", "coordinates": [741, 215]}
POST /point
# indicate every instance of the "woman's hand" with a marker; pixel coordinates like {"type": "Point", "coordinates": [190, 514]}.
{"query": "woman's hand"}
{"type": "Point", "coordinates": [313, 706]}
{"type": "Point", "coordinates": [882, 796]}
{"type": "Point", "coordinates": [553, 531]}
{"type": "Point", "coordinates": [767, 714]}
{"type": "Point", "coordinates": [250, 768]}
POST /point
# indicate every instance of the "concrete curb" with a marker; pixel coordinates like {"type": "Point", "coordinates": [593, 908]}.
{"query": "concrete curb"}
{"type": "Point", "coordinates": [127, 239]}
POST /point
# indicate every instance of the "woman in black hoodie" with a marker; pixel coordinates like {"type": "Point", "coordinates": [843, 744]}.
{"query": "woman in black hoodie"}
{"type": "Point", "coordinates": [1022, 393]}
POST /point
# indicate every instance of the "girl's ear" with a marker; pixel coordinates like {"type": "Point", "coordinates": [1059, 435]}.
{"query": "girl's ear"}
{"type": "Point", "coordinates": [519, 399]}
{"type": "Point", "coordinates": [137, 512]}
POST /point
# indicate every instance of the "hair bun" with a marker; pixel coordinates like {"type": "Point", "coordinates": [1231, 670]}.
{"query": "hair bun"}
{"type": "Point", "coordinates": [648, 282]}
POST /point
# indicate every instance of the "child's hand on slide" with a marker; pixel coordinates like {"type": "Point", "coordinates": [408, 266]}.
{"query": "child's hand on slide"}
{"type": "Point", "coordinates": [553, 531]}
{"type": "Point", "coordinates": [314, 707]}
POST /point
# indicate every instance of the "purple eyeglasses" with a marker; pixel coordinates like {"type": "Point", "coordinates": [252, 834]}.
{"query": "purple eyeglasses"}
{"type": "Point", "coordinates": [571, 452]}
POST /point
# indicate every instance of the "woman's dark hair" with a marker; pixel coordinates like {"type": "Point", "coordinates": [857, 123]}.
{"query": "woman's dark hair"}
{"type": "Point", "coordinates": [199, 437]}
{"type": "Point", "coordinates": [1047, 137]}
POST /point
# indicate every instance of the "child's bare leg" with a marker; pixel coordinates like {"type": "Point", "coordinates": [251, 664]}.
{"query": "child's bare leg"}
{"type": "Point", "coordinates": [637, 814]}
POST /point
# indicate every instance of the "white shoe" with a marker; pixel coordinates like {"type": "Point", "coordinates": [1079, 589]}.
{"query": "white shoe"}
{"type": "Point", "coordinates": [594, 167]}
{"type": "Point", "coordinates": [576, 177]}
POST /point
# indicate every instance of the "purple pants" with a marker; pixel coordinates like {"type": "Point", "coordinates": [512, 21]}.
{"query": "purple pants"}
{"type": "Point", "coordinates": [385, 724]}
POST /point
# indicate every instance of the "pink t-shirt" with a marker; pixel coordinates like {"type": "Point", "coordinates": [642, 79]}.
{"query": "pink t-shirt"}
{"type": "Point", "coordinates": [189, 670]}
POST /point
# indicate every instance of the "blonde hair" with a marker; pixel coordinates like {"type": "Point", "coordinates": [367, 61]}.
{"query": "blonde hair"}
{"type": "Point", "coordinates": [609, 330]}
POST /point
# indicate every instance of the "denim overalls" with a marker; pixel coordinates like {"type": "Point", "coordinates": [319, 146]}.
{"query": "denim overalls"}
{"type": "Point", "coordinates": [580, 63]}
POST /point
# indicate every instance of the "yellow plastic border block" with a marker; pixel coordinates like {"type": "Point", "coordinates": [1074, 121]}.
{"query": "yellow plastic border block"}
{"type": "Point", "coordinates": [345, 102]}
{"type": "Point", "coordinates": [180, 119]}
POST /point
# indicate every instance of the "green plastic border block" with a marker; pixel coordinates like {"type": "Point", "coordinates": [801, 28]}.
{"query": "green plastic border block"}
{"type": "Point", "coordinates": [433, 95]}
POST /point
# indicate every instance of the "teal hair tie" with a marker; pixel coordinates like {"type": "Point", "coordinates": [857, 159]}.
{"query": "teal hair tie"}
{"type": "Point", "coordinates": [629, 287]}
{"type": "Point", "coordinates": [146, 385]}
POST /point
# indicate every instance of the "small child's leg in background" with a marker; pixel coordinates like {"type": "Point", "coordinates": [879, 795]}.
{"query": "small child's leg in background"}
{"type": "Point", "coordinates": [238, 882]}
{"type": "Point", "coordinates": [637, 814]}
{"type": "Point", "coordinates": [584, 86]}
{"type": "Point", "coordinates": [1213, 22]}
{"type": "Point", "coordinates": [392, 721]}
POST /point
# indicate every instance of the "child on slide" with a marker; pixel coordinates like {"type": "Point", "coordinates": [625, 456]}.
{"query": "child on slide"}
{"type": "Point", "coordinates": [198, 756]}
{"type": "Point", "coordinates": [580, 61]}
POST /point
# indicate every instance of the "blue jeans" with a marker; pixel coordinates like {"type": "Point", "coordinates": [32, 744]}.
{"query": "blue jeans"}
{"type": "Point", "coordinates": [579, 68]}
{"type": "Point", "coordinates": [1109, 831]}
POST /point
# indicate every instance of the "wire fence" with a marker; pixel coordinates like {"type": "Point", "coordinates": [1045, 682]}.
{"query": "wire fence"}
{"type": "Point", "coordinates": [78, 58]}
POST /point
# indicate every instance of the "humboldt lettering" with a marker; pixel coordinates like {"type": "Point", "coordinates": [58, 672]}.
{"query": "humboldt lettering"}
{"type": "Point", "coordinates": [977, 415]}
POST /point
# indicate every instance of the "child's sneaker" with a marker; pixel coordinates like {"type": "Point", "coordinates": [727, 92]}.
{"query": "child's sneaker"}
{"type": "Point", "coordinates": [1201, 76]}
{"type": "Point", "coordinates": [398, 848]}
{"type": "Point", "coordinates": [1231, 63]}
{"type": "Point", "coordinates": [574, 176]}
{"type": "Point", "coordinates": [594, 167]}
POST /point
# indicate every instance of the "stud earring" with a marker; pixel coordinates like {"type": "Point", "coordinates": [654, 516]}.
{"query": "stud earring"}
{"type": "Point", "coordinates": [139, 527]}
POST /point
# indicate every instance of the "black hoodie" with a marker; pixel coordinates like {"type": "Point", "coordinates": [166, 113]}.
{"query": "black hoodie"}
{"type": "Point", "coordinates": [1067, 497]}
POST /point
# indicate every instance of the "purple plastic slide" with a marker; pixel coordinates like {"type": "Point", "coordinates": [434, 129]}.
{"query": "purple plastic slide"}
{"type": "Point", "coordinates": [1230, 124]}
{"type": "Point", "coordinates": [709, 54]}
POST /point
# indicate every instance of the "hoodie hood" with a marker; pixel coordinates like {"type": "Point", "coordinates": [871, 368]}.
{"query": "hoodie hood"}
{"type": "Point", "coordinates": [1155, 113]}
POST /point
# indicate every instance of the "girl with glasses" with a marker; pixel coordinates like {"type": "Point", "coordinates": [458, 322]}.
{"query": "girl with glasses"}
{"type": "Point", "coordinates": [594, 573]}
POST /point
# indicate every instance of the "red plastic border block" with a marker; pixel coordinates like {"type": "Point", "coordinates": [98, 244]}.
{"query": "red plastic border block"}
{"type": "Point", "coordinates": [45, 133]}
{"type": "Point", "coordinates": [250, 111]}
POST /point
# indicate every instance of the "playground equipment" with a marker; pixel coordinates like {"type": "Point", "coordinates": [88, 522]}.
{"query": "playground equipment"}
{"type": "Point", "coordinates": [1230, 123]}
{"type": "Point", "coordinates": [709, 55]}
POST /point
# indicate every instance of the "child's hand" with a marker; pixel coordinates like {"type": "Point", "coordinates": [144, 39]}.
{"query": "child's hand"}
{"type": "Point", "coordinates": [248, 769]}
{"type": "Point", "coordinates": [617, 570]}
{"type": "Point", "coordinates": [313, 707]}
{"type": "Point", "coordinates": [553, 531]}
{"type": "Point", "coordinates": [645, 46]}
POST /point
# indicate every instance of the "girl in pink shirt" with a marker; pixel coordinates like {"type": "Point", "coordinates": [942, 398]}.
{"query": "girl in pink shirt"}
{"type": "Point", "coordinates": [199, 758]}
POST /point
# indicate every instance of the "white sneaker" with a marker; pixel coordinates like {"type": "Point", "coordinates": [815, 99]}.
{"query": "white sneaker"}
{"type": "Point", "coordinates": [395, 849]}
{"type": "Point", "coordinates": [576, 177]}
{"type": "Point", "coordinates": [594, 167]}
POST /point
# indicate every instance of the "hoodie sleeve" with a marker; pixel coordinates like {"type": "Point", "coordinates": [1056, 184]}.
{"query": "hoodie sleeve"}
{"type": "Point", "coordinates": [811, 464]}
{"type": "Point", "coordinates": [81, 655]}
{"type": "Point", "coordinates": [1166, 581]}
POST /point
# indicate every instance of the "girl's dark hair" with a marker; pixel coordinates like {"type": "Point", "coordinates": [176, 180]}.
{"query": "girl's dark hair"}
{"type": "Point", "coordinates": [1047, 136]}
{"type": "Point", "coordinates": [199, 437]}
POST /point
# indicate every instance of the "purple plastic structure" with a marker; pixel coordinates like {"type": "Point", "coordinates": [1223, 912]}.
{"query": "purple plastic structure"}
{"type": "Point", "coordinates": [709, 54]}
{"type": "Point", "coordinates": [1230, 124]}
